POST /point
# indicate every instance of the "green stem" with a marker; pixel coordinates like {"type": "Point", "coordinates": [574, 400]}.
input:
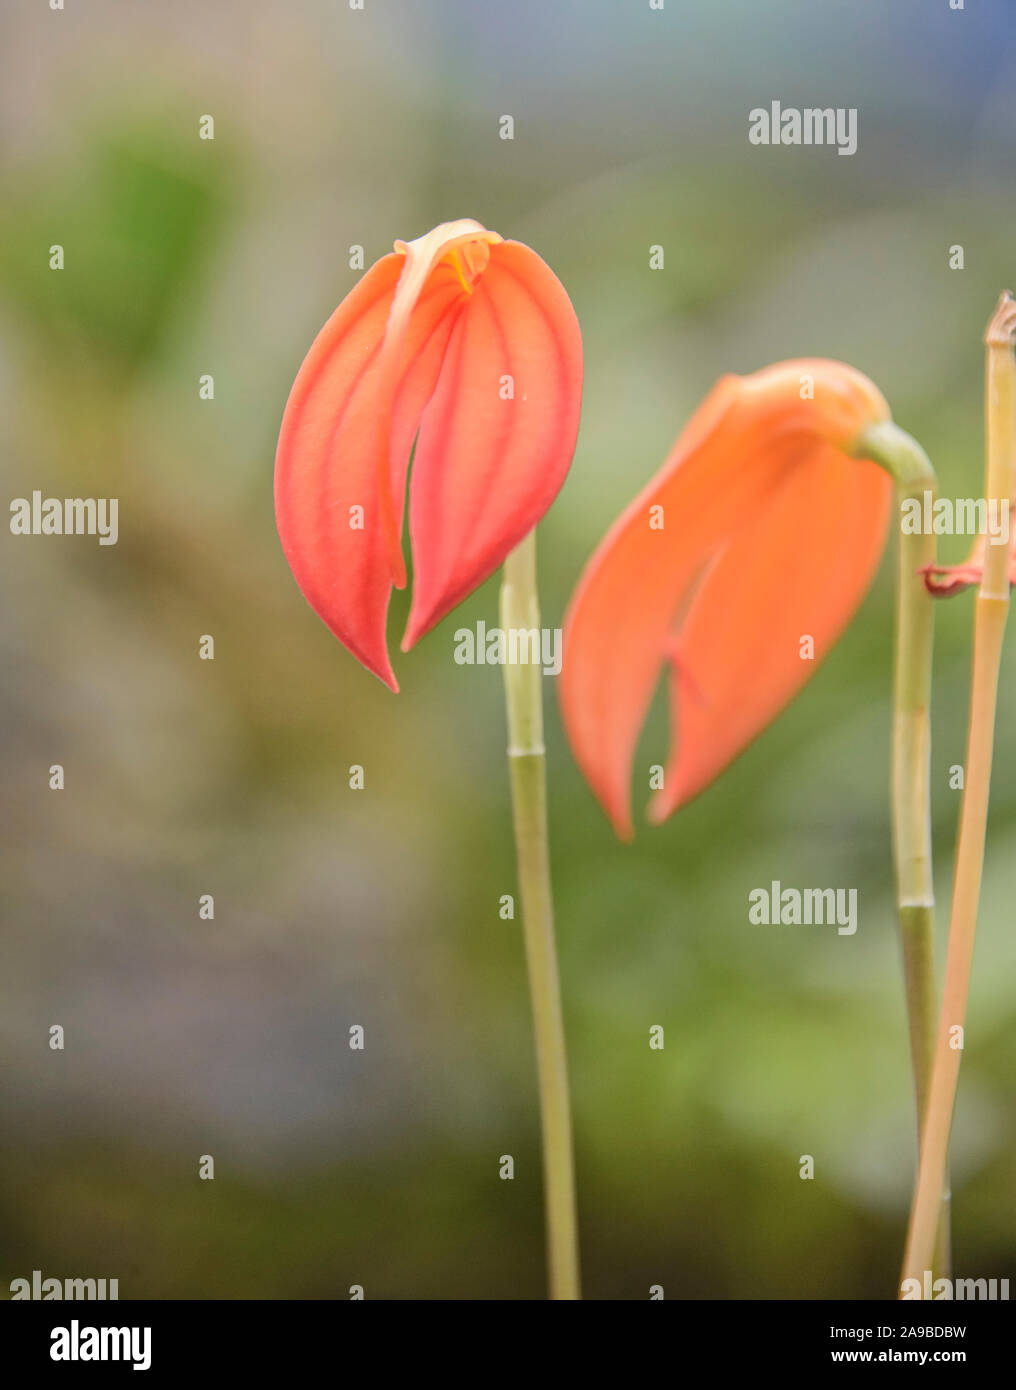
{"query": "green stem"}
{"type": "Point", "coordinates": [527, 762]}
{"type": "Point", "coordinates": [989, 627]}
{"type": "Point", "coordinates": [909, 465]}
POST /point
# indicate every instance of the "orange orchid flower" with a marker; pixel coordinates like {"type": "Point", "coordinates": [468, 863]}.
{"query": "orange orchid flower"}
{"type": "Point", "coordinates": [469, 345]}
{"type": "Point", "coordinates": [759, 529]}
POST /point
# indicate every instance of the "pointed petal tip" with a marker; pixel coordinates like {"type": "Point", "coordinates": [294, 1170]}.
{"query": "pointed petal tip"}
{"type": "Point", "coordinates": [380, 669]}
{"type": "Point", "coordinates": [386, 677]}
{"type": "Point", "coordinates": [415, 629]}
{"type": "Point", "coordinates": [664, 804]}
{"type": "Point", "coordinates": [423, 620]}
{"type": "Point", "coordinates": [619, 815]}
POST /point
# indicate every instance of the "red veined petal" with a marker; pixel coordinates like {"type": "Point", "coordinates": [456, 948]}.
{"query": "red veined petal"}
{"type": "Point", "coordinates": [326, 462]}
{"type": "Point", "coordinates": [487, 466]}
{"type": "Point", "coordinates": [444, 263]}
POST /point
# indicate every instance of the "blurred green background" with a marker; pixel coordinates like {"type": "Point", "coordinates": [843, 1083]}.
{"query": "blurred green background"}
{"type": "Point", "coordinates": [380, 907]}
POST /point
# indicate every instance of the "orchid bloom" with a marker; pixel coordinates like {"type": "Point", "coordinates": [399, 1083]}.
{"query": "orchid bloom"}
{"type": "Point", "coordinates": [759, 531]}
{"type": "Point", "coordinates": [468, 345]}
{"type": "Point", "coordinates": [943, 581]}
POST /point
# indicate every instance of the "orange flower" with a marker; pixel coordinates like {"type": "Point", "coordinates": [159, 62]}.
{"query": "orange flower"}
{"type": "Point", "coordinates": [760, 530]}
{"type": "Point", "coordinates": [469, 345]}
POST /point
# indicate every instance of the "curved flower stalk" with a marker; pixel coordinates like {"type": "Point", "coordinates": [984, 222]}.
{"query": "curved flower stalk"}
{"type": "Point", "coordinates": [467, 345]}
{"type": "Point", "coordinates": [910, 779]}
{"type": "Point", "coordinates": [736, 569]}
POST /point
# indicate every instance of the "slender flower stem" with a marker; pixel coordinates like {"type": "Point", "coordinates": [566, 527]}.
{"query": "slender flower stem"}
{"type": "Point", "coordinates": [989, 627]}
{"type": "Point", "coordinates": [527, 762]}
{"type": "Point", "coordinates": [909, 465]}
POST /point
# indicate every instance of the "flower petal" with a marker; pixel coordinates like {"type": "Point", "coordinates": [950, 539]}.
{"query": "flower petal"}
{"type": "Point", "coordinates": [487, 467]}
{"type": "Point", "coordinates": [443, 265]}
{"type": "Point", "coordinates": [344, 401]}
{"type": "Point", "coordinates": [621, 617]}
{"type": "Point", "coordinates": [798, 571]}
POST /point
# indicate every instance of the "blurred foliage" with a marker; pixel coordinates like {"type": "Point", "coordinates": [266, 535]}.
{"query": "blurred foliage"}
{"type": "Point", "coordinates": [137, 221]}
{"type": "Point", "coordinates": [380, 907]}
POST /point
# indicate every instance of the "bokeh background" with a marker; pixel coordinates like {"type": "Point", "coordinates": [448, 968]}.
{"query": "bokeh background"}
{"type": "Point", "coordinates": [379, 907]}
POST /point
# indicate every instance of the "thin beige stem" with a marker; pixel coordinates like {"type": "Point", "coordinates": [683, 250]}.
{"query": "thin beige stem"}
{"type": "Point", "coordinates": [909, 465]}
{"type": "Point", "coordinates": [527, 762]}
